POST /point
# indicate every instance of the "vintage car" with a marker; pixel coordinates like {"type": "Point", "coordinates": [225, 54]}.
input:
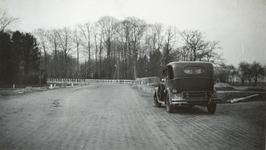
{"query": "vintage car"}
{"type": "Point", "coordinates": [187, 83]}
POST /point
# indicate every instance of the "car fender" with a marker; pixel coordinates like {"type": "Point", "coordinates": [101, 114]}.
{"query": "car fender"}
{"type": "Point", "coordinates": [214, 94]}
{"type": "Point", "coordinates": [169, 92]}
{"type": "Point", "coordinates": [155, 91]}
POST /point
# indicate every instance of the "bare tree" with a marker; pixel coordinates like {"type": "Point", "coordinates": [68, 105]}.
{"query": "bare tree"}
{"type": "Point", "coordinates": [156, 37]}
{"type": "Point", "coordinates": [168, 44]}
{"type": "Point", "coordinates": [77, 41]}
{"type": "Point", "coordinates": [137, 28]}
{"type": "Point", "coordinates": [95, 34]}
{"type": "Point", "coordinates": [65, 43]}
{"type": "Point", "coordinates": [194, 41]}
{"type": "Point", "coordinates": [243, 71]}
{"type": "Point", "coordinates": [86, 32]}
{"type": "Point", "coordinates": [211, 55]}
{"type": "Point", "coordinates": [184, 53]}
{"type": "Point", "coordinates": [107, 26]}
{"type": "Point", "coordinates": [154, 43]}
{"type": "Point", "coordinates": [5, 20]}
{"type": "Point", "coordinates": [52, 36]}
{"type": "Point", "coordinates": [224, 72]}
{"type": "Point", "coordinates": [43, 41]}
{"type": "Point", "coordinates": [100, 54]}
{"type": "Point", "coordinates": [232, 71]}
{"type": "Point", "coordinates": [123, 30]}
{"type": "Point", "coordinates": [257, 71]}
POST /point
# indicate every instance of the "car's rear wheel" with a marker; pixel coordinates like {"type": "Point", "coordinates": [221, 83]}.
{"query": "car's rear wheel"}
{"type": "Point", "coordinates": [211, 108]}
{"type": "Point", "coordinates": [156, 103]}
{"type": "Point", "coordinates": [169, 107]}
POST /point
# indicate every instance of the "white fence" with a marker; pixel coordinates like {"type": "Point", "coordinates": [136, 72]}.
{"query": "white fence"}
{"type": "Point", "coordinates": [148, 80]}
{"type": "Point", "coordinates": [82, 81]}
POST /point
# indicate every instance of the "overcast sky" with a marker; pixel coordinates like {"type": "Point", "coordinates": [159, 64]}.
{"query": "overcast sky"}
{"type": "Point", "coordinates": [239, 25]}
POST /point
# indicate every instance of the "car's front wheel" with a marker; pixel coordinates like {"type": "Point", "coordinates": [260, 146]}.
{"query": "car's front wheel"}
{"type": "Point", "coordinates": [211, 108]}
{"type": "Point", "coordinates": [169, 107]}
{"type": "Point", "coordinates": [156, 103]}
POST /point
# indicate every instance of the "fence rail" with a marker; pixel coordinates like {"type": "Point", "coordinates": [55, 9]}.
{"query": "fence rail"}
{"type": "Point", "coordinates": [146, 81]}
{"type": "Point", "coordinates": [81, 81]}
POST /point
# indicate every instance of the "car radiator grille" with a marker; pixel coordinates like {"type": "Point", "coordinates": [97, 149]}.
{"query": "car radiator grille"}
{"type": "Point", "coordinates": [194, 94]}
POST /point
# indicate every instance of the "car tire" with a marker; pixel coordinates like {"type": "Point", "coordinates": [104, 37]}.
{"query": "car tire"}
{"type": "Point", "coordinates": [169, 107]}
{"type": "Point", "coordinates": [156, 103]}
{"type": "Point", "coordinates": [161, 92]}
{"type": "Point", "coordinates": [211, 108]}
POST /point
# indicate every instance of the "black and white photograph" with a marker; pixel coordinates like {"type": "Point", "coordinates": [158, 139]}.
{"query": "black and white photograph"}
{"type": "Point", "coordinates": [132, 74]}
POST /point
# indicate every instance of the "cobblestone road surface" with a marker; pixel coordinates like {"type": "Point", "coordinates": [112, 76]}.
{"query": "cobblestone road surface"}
{"type": "Point", "coordinates": [108, 116]}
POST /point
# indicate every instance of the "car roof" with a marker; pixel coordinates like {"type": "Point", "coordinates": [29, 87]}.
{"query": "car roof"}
{"type": "Point", "coordinates": [188, 62]}
{"type": "Point", "coordinates": [181, 63]}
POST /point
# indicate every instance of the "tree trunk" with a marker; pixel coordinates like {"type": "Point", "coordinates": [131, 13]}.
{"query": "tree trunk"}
{"type": "Point", "coordinates": [108, 58]}
{"type": "Point", "coordinates": [135, 71]}
{"type": "Point", "coordinates": [95, 54]}
{"type": "Point", "coordinates": [77, 60]}
{"type": "Point", "coordinates": [100, 55]}
{"type": "Point", "coordinates": [89, 51]}
{"type": "Point", "coordinates": [45, 59]}
{"type": "Point", "coordinates": [65, 65]}
{"type": "Point", "coordinates": [55, 65]}
{"type": "Point", "coordinates": [195, 55]}
{"type": "Point", "coordinates": [135, 61]}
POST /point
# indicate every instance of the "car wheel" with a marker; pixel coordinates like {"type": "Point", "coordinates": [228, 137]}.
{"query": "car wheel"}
{"type": "Point", "coordinates": [169, 107]}
{"type": "Point", "coordinates": [161, 92]}
{"type": "Point", "coordinates": [156, 103]}
{"type": "Point", "coordinates": [211, 108]}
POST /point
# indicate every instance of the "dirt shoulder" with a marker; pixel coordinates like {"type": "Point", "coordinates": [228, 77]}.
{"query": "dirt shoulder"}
{"type": "Point", "coordinates": [28, 89]}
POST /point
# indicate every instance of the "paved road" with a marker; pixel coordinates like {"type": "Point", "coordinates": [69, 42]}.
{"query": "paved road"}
{"type": "Point", "coordinates": [108, 116]}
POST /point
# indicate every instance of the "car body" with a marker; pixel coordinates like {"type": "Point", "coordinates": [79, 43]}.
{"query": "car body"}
{"type": "Point", "coordinates": [187, 83]}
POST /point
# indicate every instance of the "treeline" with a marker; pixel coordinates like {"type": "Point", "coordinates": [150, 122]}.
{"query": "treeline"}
{"type": "Point", "coordinates": [109, 49]}
{"type": "Point", "coordinates": [251, 72]}
{"type": "Point", "coordinates": [124, 49]}
{"type": "Point", "coordinates": [20, 58]}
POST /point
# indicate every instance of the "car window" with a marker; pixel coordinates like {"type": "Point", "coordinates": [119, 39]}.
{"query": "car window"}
{"type": "Point", "coordinates": [170, 72]}
{"type": "Point", "coordinates": [194, 70]}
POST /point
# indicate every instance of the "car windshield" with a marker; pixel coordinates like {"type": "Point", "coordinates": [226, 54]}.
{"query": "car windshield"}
{"type": "Point", "coordinates": [194, 70]}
